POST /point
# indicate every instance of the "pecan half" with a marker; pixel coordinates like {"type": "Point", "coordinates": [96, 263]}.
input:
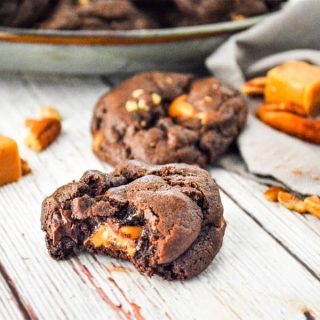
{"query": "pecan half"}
{"type": "Point", "coordinates": [42, 133]}
{"type": "Point", "coordinates": [291, 202]}
{"type": "Point", "coordinates": [313, 205]}
{"type": "Point", "coordinates": [307, 129]}
{"type": "Point", "coordinates": [255, 86]}
{"type": "Point", "coordinates": [50, 113]}
{"type": "Point", "coordinates": [25, 169]}
{"type": "Point", "coordinates": [272, 193]}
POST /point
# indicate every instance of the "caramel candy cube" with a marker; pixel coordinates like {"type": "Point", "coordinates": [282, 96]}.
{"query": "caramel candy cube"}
{"type": "Point", "coordinates": [295, 82]}
{"type": "Point", "coordinates": [10, 163]}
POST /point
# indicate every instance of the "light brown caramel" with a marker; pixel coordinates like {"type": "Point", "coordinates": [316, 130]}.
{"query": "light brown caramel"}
{"type": "Point", "coordinates": [132, 232]}
{"type": "Point", "coordinates": [181, 108]}
{"type": "Point", "coordinates": [124, 240]}
{"type": "Point", "coordinates": [10, 163]}
{"type": "Point", "coordinates": [294, 82]}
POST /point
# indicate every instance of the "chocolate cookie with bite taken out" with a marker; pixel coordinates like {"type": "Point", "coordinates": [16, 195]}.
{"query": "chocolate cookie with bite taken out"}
{"type": "Point", "coordinates": [163, 118]}
{"type": "Point", "coordinates": [166, 220]}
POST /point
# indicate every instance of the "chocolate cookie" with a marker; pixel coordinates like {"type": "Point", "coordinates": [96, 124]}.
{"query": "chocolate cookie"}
{"type": "Point", "coordinates": [166, 220]}
{"type": "Point", "coordinates": [162, 118]}
{"type": "Point", "coordinates": [193, 12]}
{"type": "Point", "coordinates": [250, 8]}
{"type": "Point", "coordinates": [97, 15]}
{"type": "Point", "coordinates": [126, 14]}
{"type": "Point", "coordinates": [205, 11]}
{"type": "Point", "coordinates": [23, 13]}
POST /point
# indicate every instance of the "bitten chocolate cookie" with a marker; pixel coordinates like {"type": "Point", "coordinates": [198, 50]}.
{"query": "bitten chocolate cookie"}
{"type": "Point", "coordinates": [166, 220]}
{"type": "Point", "coordinates": [163, 118]}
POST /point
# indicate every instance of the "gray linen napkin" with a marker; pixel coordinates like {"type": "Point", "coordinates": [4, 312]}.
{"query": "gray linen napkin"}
{"type": "Point", "coordinates": [291, 34]}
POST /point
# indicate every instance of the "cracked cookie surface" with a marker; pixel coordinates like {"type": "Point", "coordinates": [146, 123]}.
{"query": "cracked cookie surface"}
{"type": "Point", "coordinates": [166, 220]}
{"type": "Point", "coordinates": [163, 118]}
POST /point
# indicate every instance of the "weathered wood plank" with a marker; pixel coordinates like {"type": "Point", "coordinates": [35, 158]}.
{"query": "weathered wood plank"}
{"type": "Point", "coordinates": [299, 234]}
{"type": "Point", "coordinates": [9, 304]}
{"type": "Point", "coordinates": [252, 277]}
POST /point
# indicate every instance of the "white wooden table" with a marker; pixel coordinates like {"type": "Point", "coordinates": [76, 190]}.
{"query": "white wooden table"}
{"type": "Point", "coordinates": [268, 268]}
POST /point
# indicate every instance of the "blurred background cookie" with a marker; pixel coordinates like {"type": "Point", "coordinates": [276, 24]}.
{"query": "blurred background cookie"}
{"type": "Point", "coordinates": [167, 117]}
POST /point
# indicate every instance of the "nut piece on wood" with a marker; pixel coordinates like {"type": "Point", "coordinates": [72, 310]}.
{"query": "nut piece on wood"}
{"type": "Point", "coordinates": [50, 113]}
{"type": "Point", "coordinates": [313, 205]}
{"type": "Point", "coordinates": [272, 193]}
{"type": "Point", "coordinates": [308, 205]}
{"type": "Point", "coordinates": [42, 133]}
{"type": "Point", "coordinates": [291, 202]}
{"type": "Point", "coordinates": [25, 169]}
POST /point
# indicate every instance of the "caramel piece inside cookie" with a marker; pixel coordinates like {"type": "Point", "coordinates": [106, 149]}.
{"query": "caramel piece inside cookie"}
{"type": "Point", "coordinates": [122, 240]}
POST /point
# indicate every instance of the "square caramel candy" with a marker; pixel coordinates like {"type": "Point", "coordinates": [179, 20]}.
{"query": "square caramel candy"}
{"type": "Point", "coordinates": [295, 82]}
{"type": "Point", "coordinates": [10, 163]}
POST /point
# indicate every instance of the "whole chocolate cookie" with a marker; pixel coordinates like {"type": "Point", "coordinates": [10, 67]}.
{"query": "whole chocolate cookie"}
{"type": "Point", "coordinates": [166, 220]}
{"type": "Point", "coordinates": [205, 11]}
{"type": "Point", "coordinates": [97, 15]}
{"type": "Point", "coordinates": [23, 13]}
{"type": "Point", "coordinates": [193, 12]}
{"type": "Point", "coordinates": [250, 8]}
{"type": "Point", "coordinates": [162, 118]}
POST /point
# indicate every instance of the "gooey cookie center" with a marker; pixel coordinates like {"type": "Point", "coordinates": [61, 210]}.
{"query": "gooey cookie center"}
{"type": "Point", "coordinates": [124, 239]}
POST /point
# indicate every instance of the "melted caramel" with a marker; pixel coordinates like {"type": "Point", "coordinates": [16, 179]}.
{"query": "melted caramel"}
{"type": "Point", "coordinates": [124, 240]}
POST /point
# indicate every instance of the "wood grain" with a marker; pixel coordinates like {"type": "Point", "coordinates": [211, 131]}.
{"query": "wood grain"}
{"type": "Point", "coordinates": [255, 276]}
{"type": "Point", "coordinates": [299, 234]}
